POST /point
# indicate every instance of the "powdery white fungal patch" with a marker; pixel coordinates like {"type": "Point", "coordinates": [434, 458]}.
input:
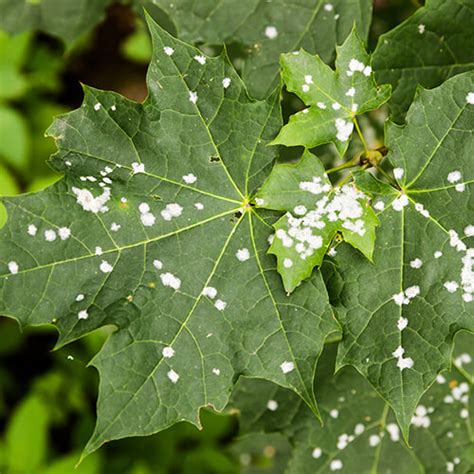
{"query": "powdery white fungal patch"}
{"type": "Point", "coordinates": [89, 202]}
{"type": "Point", "coordinates": [336, 465]}
{"type": "Point", "coordinates": [13, 267]}
{"type": "Point", "coordinates": [115, 227]}
{"type": "Point", "coordinates": [470, 98]}
{"type": "Point", "coordinates": [173, 376]}
{"type": "Point", "coordinates": [454, 176]}
{"type": "Point", "coordinates": [334, 413]}
{"type": "Point", "coordinates": [367, 71]}
{"type": "Point", "coordinates": [199, 206]}
{"type": "Point", "coordinates": [469, 231]}
{"type": "Point", "coordinates": [216, 371]}
{"type": "Point", "coordinates": [200, 59]}
{"type": "Point", "coordinates": [272, 405]}
{"type": "Point", "coordinates": [98, 251]}
{"type": "Point", "coordinates": [220, 305]}
{"type": "Point", "coordinates": [463, 359]}
{"type": "Point", "coordinates": [80, 297]}
{"type": "Point", "coordinates": [321, 105]}
{"type": "Point", "coordinates": [242, 254]}
{"type": "Point", "coordinates": [226, 82]}
{"type": "Point", "coordinates": [456, 242]}
{"type": "Point", "coordinates": [402, 323]}
{"type": "Point", "coordinates": [210, 292]}
{"type": "Point", "coordinates": [113, 108]}
{"type": "Point", "coordinates": [351, 92]}
{"type": "Point", "coordinates": [393, 431]}
{"type": "Point", "coordinates": [467, 276]}
{"type": "Point", "coordinates": [336, 105]}
{"type": "Point", "coordinates": [168, 50]}
{"type": "Point", "coordinates": [287, 367]}
{"type": "Point", "coordinates": [460, 187]}
{"type": "Point", "coordinates": [105, 267]}
{"type": "Point", "coordinates": [271, 32]}
{"type": "Point", "coordinates": [421, 209]}
{"type": "Point", "coordinates": [403, 362]}
{"type": "Point", "coordinates": [416, 263]}
{"type": "Point", "coordinates": [148, 219]}
{"type": "Point", "coordinates": [189, 178]}
{"type": "Point", "coordinates": [451, 286]}
{"type": "Point", "coordinates": [374, 440]}
{"type": "Point", "coordinates": [305, 88]}
{"type": "Point", "coordinates": [287, 263]}
{"type": "Point", "coordinates": [438, 254]}
{"type": "Point", "coordinates": [315, 186]}
{"type": "Point", "coordinates": [171, 210]}
{"type": "Point", "coordinates": [97, 106]}
{"type": "Point", "coordinates": [317, 452]}
{"type": "Point", "coordinates": [64, 233]}
{"type": "Point", "coordinates": [359, 429]}
{"type": "Point", "coordinates": [379, 206]}
{"type": "Point", "coordinates": [421, 28]}
{"type": "Point", "coordinates": [83, 314]}
{"type": "Point", "coordinates": [420, 418]}
{"type": "Point", "coordinates": [50, 235]}
{"type": "Point", "coordinates": [440, 379]}
{"type": "Point", "coordinates": [193, 97]}
{"type": "Point", "coordinates": [260, 202]}
{"type": "Point", "coordinates": [32, 230]}
{"type": "Point", "coordinates": [158, 264]}
{"type": "Point", "coordinates": [308, 79]}
{"type": "Point", "coordinates": [329, 7]}
{"type": "Point", "coordinates": [168, 279]}
{"type": "Point", "coordinates": [356, 65]}
{"type": "Point", "coordinates": [398, 173]}
{"type": "Point", "coordinates": [168, 352]}
{"type": "Point", "coordinates": [399, 203]}
{"type": "Point", "coordinates": [344, 129]}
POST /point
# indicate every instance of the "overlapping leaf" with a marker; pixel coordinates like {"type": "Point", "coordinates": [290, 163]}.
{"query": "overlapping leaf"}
{"type": "Point", "coordinates": [315, 212]}
{"type": "Point", "coordinates": [435, 43]}
{"type": "Point", "coordinates": [151, 231]}
{"type": "Point", "coordinates": [360, 434]}
{"type": "Point", "coordinates": [267, 29]}
{"type": "Point", "coordinates": [400, 314]}
{"type": "Point", "coordinates": [334, 98]}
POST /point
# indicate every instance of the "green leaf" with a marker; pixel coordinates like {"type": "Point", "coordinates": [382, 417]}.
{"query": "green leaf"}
{"type": "Point", "coordinates": [66, 19]}
{"type": "Point", "coordinates": [173, 256]}
{"type": "Point", "coordinates": [14, 138]}
{"type": "Point", "coordinates": [304, 234]}
{"type": "Point", "coordinates": [266, 29]}
{"type": "Point", "coordinates": [360, 433]}
{"type": "Point", "coordinates": [400, 314]}
{"type": "Point", "coordinates": [27, 436]}
{"type": "Point", "coordinates": [431, 46]}
{"type": "Point", "coordinates": [334, 98]}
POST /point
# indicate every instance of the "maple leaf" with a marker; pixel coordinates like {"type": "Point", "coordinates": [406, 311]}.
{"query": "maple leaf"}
{"type": "Point", "coordinates": [334, 98]}
{"type": "Point", "coordinates": [400, 314]}
{"type": "Point", "coordinates": [151, 231]}
{"type": "Point", "coordinates": [315, 212]}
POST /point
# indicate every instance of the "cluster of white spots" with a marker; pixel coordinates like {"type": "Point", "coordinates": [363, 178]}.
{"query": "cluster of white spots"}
{"type": "Point", "coordinates": [173, 376]}
{"type": "Point", "coordinates": [242, 254]}
{"type": "Point", "coordinates": [351, 92]}
{"type": "Point", "coordinates": [138, 168]}
{"type": "Point", "coordinates": [456, 242]}
{"type": "Point", "coordinates": [97, 106]}
{"type": "Point", "coordinates": [168, 279]}
{"type": "Point", "coordinates": [421, 28]}
{"type": "Point", "coordinates": [50, 235]}
{"type": "Point", "coordinates": [344, 207]}
{"type": "Point", "coordinates": [83, 314]}
{"type": "Point", "coordinates": [404, 297]}
{"type": "Point", "coordinates": [421, 209]}
{"type": "Point", "coordinates": [99, 251]}
{"type": "Point", "coordinates": [32, 230]}
{"type": "Point", "coordinates": [451, 286]}
{"type": "Point", "coordinates": [354, 107]}
{"type": "Point", "coordinates": [393, 431]}
{"type": "Point", "coordinates": [220, 305]}
{"type": "Point", "coordinates": [168, 352]}
{"type": "Point", "coordinates": [92, 179]}
{"type": "Point", "coordinates": [329, 7]}
{"type": "Point", "coordinates": [450, 465]}
{"type": "Point", "coordinates": [308, 79]}
{"type": "Point", "coordinates": [226, 82]}
{"type": "Point", "coordinates": [272, 405]}
{"type": "Point", "coordinates": [286, 367]}
{"type": "Point", "coordinates": [210, 292]}
{"type": "Point", "coordinates": [402, 323]}
{"type": "Point", "coordinates": [321, 105]}
{"type": "Point", "coordinates": [336, 105]}
{"type": "Point", "coordinates": [403, 362]}
{"type": "Point", "coordinates": [470, 98]}
{"type": "Point", "coordinates": [300, 210]}
{"type": "Point", "coordinates": [171, 210]}
{"type": "Point", "coordinates": [459, 393]}
{"type": "Point", "coordinates": [344, 129]}
{"type": "Point", "coordinates": [271, 32]}
{"type": "Point", "coordinates": [193, 97]}
{"type": "Point", "coordinates": [420, 418]}
{"type": "Point", "coordinates": [64, 233]}
{"type": "Point", "coordinates": [454, 177]}
{"type": "Point", "coordinates": [374, 440]}
{"type": "Point", "coordinates": [13, 267]}
{"type": "Point", "coordinates": [90, 203]}
{"type": "Point", "coordinates": [147, 218]}
{"type": "Point", "coordinates": [105, 267]}
{"type": "Point", "coordinates": [334, 413]}
{"type": "Point", "coordinates": [357, 66]}
{"type": "Point", "coordinates": [467, 275]}
{"type": "Point", "coordinates": [400, 202]}
{"type": "Point", "coordinates": [287, 263]}
{"type": "Point", "coordinates": [379, 206]}
{"type": "Point", "coordinates": [336, 465]}
{"type": "Point", "coordinates": [216, 371]}
{"type": "Point", "coordinates": [189, 178]}
{"type": "Point", "coordinates": [200, 59]}
{"type": "Point", "coordinates": [158, 264]}
{"type": "Point", "coordinates": [416, 263]}
{"type": "Point", "coordinates": [115, 227]}
{"type": "Point", "coordinates": [168, 50]}
{"type": "Point", "coordinates": [398, 173]}
{"type": "Point", "coordinates": [317, 452]}
{"type": "Point", "coordinates": [343, 440]}
{"type": "Point", "coordinates": [80, 297]}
